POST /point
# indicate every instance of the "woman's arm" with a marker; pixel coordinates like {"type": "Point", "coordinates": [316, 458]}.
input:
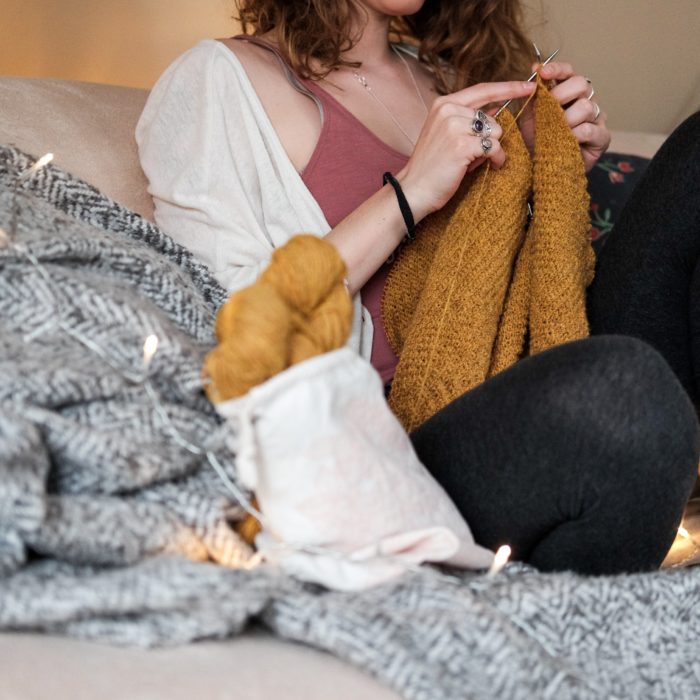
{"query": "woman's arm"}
{"type": "Point", "coordinates": [446, 149]}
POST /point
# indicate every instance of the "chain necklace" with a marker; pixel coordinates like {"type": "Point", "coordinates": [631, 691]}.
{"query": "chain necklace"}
{"type": "Point", "coordinates": [363, 81]}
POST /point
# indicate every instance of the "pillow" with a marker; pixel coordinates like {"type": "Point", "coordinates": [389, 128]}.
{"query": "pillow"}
{"type": "Point", "coordinates": [346, 502]}
{"type": "Point", "coordinates": [610, 183]}
{"type": "Point", "coordinates": [88, 127]}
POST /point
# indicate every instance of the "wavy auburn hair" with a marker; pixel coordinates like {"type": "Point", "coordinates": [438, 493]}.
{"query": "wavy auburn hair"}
{"type": "Point", "coordinates": [463, 41]}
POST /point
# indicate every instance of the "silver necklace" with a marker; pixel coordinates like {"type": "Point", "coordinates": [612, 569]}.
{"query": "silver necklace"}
{"type": "Point", "coordinates": [363, 81]}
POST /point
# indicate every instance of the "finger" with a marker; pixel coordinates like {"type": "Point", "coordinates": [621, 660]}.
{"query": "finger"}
{"type": "Point", "coordinates": [557, 70]}
{"type": "Point", "coordinates": [583, 110]}
{"type": "Point", "coordinates": [571, 89]}
{"type": "Point", "coordinates": [482, 94]}
{"type": "Point", "coordinates": [475, 164]}
{"type": "Point", "coordinates": [461, 119]}
{"type": "Point", "coordinates": [596, 135]}
{"type": "Point", "coordinates": [496, 154]}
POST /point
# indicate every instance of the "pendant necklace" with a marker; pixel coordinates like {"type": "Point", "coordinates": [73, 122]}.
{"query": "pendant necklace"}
{"type": "Point", "coordinates": [363, 81]}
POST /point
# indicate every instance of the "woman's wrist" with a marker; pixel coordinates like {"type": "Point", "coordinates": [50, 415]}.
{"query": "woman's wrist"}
{"type": "Point", "coordinates": [420, 208]}
{"type": "Point", "coordinates": [404, 206]}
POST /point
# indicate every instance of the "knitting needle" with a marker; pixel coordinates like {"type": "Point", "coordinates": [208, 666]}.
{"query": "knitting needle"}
{"type": "Point", "coordinates": [538, 53]}
{"type": "Point", "coordinates": [529, 80]}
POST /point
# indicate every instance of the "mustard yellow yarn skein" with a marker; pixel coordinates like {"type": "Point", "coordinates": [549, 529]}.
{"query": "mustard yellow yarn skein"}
{"type": "Point", "coordinates": [308, 274]}
{"type": "Point", "coordinates": [297, 309]}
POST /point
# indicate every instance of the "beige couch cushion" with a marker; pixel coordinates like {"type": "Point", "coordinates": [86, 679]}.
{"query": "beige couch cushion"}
{"type": "Point", "coordinates": [88, 127]}
{"type": "Point", "coordinates": [251, 667]}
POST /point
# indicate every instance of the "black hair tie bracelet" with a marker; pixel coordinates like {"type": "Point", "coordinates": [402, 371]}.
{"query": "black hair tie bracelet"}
{"type": "Point", "coordinates": [403, 205]}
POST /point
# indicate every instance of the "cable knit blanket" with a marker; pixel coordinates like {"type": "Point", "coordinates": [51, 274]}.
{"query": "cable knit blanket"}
{"type": "Point", "coordinates": [111, 530]}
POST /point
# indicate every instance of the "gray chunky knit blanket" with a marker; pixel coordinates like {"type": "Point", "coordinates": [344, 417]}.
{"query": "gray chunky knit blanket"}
{"type": "Point", "coordinates": [111, 530]}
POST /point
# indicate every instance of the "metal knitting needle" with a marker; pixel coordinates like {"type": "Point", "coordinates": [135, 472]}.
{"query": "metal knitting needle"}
{"type": "Point", "coordinates": [538, 53]}
{"type": "Point", "coordinates": [529, 80]}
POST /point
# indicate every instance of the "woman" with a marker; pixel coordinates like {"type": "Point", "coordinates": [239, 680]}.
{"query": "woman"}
{"type": "Point", "coordinates": [581, 457]}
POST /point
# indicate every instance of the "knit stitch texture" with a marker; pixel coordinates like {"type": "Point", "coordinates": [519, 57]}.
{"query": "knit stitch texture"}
{"type": "Point", "coordinates": [478, 290]}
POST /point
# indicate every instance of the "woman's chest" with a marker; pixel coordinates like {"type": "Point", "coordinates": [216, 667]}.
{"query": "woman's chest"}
{"type": "Point", "coordinates": [394, 119]}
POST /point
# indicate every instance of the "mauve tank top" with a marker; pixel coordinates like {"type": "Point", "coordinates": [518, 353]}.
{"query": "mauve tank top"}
{"type": "Point", "coordinates": [345, 169]}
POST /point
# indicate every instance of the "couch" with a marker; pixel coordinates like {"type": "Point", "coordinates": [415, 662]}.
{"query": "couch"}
{"type": "Point", "coordinates": [89, 128]}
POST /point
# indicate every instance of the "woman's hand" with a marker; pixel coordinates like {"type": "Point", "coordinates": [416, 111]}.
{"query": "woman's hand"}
{"type": "Point", "coordinates": [575, 94]}
{"type": "Point", "coordinates": [447, 146]}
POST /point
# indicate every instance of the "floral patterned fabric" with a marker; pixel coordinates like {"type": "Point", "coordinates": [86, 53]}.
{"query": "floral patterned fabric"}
{"type": "Point", "coordinates": [610, 184]}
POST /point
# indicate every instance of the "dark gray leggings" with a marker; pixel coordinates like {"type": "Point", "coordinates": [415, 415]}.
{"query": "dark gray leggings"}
{"type": "Point", "coordinates": [583, 457]}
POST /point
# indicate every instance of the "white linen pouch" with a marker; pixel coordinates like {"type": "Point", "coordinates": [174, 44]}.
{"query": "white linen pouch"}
{"type": "Point", "coordinates": [337, 478]}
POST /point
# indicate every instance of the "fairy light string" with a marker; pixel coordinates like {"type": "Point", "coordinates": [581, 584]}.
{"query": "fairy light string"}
{"type": "Point", "coordinates": [142, 378]}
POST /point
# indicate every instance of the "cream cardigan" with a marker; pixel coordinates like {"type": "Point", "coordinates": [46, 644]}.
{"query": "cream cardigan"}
{"type": "Point", "coordinates": [222, 184]}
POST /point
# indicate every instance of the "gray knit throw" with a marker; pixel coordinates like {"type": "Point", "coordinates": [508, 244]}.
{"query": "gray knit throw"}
{"type": "Point", "coordinates": [111, 530]}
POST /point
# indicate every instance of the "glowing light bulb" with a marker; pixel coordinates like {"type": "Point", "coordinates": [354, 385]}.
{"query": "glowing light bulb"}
{"type": "Point", "coordinates": [683, 532]}
{"type": "Point", "coordinates": [43, 161]}
{"type": "Point", "coordinates": [500, 559]}
{"type": "Point", "coordinates": [150, 347]}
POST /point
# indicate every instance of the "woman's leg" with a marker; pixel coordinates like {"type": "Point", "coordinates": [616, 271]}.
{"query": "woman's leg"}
{"type": "Point", "coordinates": [647, 282]}
{"type": "Point", "coordinates": [581, 457]}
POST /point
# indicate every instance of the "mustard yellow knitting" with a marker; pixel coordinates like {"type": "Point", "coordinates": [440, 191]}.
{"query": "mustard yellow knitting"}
{"type": "Point", "coordinates": [476, 290]}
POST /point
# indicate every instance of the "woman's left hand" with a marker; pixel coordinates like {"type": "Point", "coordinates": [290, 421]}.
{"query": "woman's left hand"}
{"type": "Point", "coordinates": [575, 94]}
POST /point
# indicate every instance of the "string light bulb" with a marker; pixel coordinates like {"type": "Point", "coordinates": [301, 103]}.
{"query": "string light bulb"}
{"type": "Point", "coordinates": [683, 532]}
{"type": "Point", "coordinates": [42, 162]}
{"type": "Point", "coordinates": [500, 560]}
{"type": "Point", "coordinates": [150, 348]}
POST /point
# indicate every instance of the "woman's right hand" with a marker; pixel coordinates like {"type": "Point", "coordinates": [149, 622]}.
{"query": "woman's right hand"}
{"type": "Point", "coordinates": [447, 146]}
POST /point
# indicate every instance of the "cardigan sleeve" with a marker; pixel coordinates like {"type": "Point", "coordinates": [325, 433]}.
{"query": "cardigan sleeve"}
{"type": "Point", "coordinates": [203, 170]}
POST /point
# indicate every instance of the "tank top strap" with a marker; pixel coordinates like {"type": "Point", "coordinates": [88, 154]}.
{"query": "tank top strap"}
{"type": "Point", "coordinates": [293, 79]}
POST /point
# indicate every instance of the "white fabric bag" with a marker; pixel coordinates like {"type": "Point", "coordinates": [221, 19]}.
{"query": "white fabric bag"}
{"type": "Point", "coordinates": [332, 468]}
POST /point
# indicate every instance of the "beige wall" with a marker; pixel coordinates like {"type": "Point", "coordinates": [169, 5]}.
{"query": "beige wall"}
{"type": "Point", "coordinates": [124, 42]}
{"type": "Point", "coordinates": [643, 55]}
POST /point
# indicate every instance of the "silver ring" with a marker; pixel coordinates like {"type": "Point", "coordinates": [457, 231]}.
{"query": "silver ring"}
{"type": "Point", "coordinates": [597, 111]}
{"type": "Point", "coordinates": [481, 124]}
{"type": "Point", "coordinates": [486, 145]}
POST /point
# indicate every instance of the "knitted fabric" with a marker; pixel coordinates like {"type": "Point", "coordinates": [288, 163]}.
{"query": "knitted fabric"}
{"type": "Point", "coordinates": [478, 289]}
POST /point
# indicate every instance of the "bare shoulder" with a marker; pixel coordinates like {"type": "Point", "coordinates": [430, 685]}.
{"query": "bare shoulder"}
{"type": "Point", "coordinates": [255, 60]}
{"type": "Point", "coordinates": [294, 116]}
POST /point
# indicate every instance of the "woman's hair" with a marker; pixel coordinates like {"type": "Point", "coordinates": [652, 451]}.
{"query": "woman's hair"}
{"type": "Point", "coordinates": [463, 41]}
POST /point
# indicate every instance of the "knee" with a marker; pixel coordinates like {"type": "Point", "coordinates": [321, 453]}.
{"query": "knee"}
{"type": "Point", "coordinates": [644, 410]}
{"type": "Point", "coordinates": [618, 380]}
